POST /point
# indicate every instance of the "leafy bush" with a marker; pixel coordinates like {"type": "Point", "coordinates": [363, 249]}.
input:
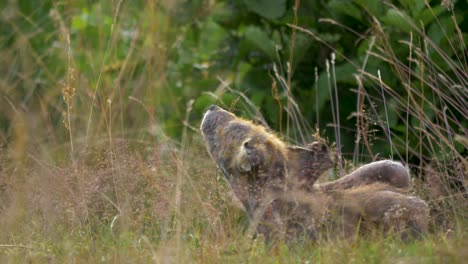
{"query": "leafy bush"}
{"type": "Point", "coordinates": [407, 55]}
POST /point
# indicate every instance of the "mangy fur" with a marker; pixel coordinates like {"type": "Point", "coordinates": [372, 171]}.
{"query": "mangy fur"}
{"type": "Point", "coordinates": [276, 185]}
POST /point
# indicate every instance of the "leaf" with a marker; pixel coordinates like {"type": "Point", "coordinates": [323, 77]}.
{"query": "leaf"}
{"type": "Point", "coordinates": [203, 101]}
{"type": "Point", "coordinates": [415, 6]}
{"type": "Point", "coordinates": [346, 8]}
{"type": "Point", "coordinates": [398, 19]}
{"type": "Point", "coordinates": [211, 37]}
{"type": "Point", "coordinates": [436, 33]}
{"type": "Point", "coordinates": [428, 15]}
{"type": "Point", "coordinates": [261, 41]}
{"type": "Point", "coordinates": [375, 8]}
{"type": "Point", "coordinates": [270, 9]}
{"type": "Point", "coordinates": [226, 16]}
{"type": "Point", "coordinates": [329, 37]}
{"type": "Point", "coordinates": [255, 80]}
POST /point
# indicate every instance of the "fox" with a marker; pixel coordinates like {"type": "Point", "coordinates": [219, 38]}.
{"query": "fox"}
{"type": "Point", "coordinates": [277, 185]}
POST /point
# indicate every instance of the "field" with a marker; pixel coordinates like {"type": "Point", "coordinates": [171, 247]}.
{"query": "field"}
{"type": "Point", "coordinates": [101, 158]}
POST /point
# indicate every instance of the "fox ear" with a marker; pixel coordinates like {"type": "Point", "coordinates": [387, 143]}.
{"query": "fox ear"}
{"type": "Point", "coordinates": [247, 158]}
{"type": "Point", "coordinates": [308, 164]}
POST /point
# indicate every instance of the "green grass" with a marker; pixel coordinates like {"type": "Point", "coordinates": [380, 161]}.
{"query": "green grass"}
{"type": "Point", "coordinates": [128, 211]}
{"type": "Point", "coordinates": [133, 248]}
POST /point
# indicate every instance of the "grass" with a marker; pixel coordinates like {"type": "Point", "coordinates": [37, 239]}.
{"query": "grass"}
{"type": "Point", "coordinates": [71, 213]}
{"type": "Point", "coordinates": [142, 201]}
{"type": "Point", "coordinates": [126, 249]}
{"type": "Point", "coordinates": [88, 173]}
{"type": "Point", "coordinates": [59, 216]}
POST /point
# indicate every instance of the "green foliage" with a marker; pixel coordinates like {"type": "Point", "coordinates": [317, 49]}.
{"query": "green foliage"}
{"type": "Point", "coordinates": [271, 9]}
{"type": "Point", "coordinates": [164, 55]}
{"type": "Point", "coordinates": [259, 38]}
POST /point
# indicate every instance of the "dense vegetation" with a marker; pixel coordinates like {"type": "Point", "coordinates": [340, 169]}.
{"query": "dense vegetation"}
{"type": "Point", "coordinates": [100, 154]}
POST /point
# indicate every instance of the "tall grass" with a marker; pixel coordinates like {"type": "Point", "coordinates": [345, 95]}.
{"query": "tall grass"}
{"type": "Point", "coordinates": [89, 174]}
{"type": "Point", "coordinates": [432, 121]}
